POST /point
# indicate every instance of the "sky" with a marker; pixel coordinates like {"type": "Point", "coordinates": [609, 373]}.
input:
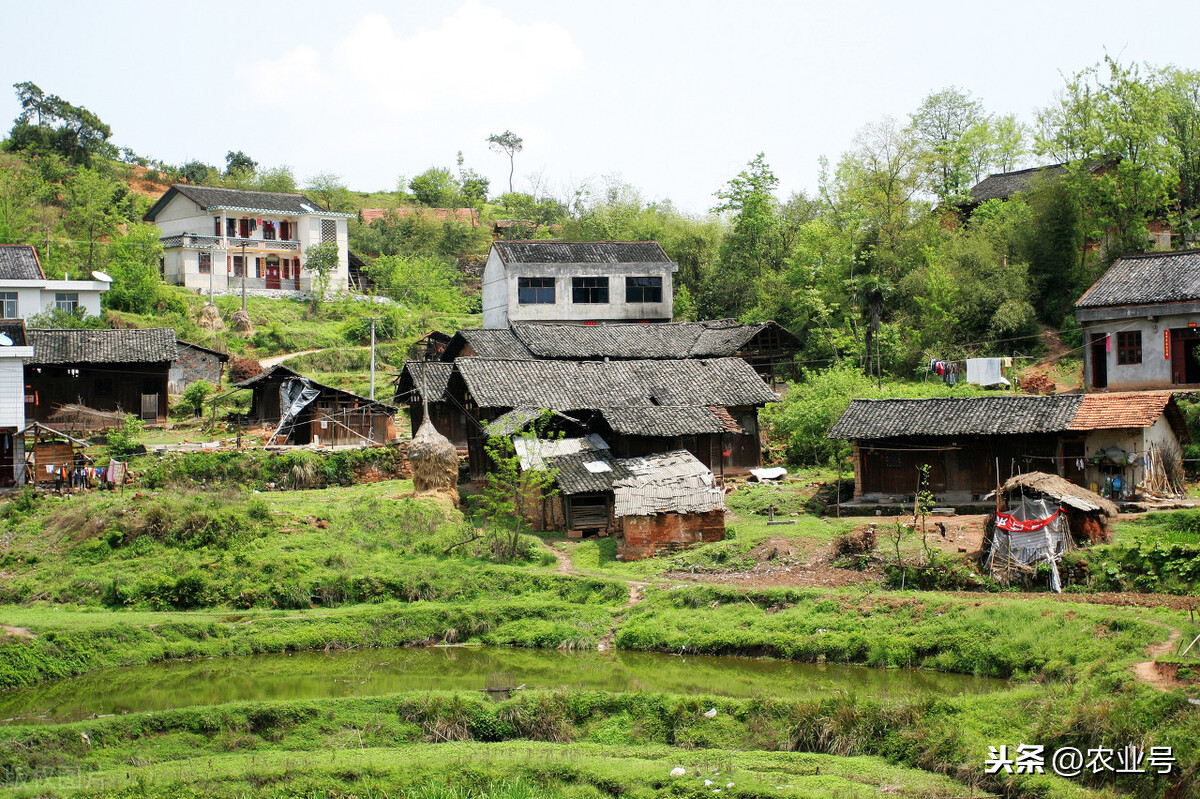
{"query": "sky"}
{"type": "Point", "coordinates": [673, 98]}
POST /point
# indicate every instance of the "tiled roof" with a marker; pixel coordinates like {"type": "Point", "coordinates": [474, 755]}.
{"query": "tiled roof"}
{"type": "Point", "coordinates": [665, 421]}
{"type": "Point", "coordinates": [540, 453]}
{"type": "Point", "coordinates": [715, 338]}
{"type": "Point", "coordinates": [492, 343]}
{"type": "Point", "coordinates": [891, 418]}
{"type": "Point", "coordinates": [152, 345]}
{"type": "Point", "coordinates": [15, 330]}
{"type": "Point", "coordinates": [221, 356]}
{"type": "Point", "coordinates": [580, 252]}
{"type": "Point", "coordinates": [19, 262]}
{"type": "Point", "coordinates": [278, 371]}
{"type": "Point", "coordinates": [1003, 185]}
{"type": "Point", "coordinates": [574, 477]}
{"type": "Point", "coordinates": [1150, 278]}
{"type": "Point", "coordinates": [431, 376]}
{"type": "Point", "coordinates": [1124, 410]}
{"type": "Point", "coordinates": [580, 385]}
{"type": "Point", "coordinates": [214, 197]}
{"type": "Point", "coordinates": [673, 482]}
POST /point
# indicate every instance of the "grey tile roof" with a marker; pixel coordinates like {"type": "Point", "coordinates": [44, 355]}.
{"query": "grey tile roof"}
{"type": "Point", "coordinates": [152, 345]}
{"type": "Point", "coordinates": [1150, 278]}
{"type": "Point", "coordinates": [1003, 185]}
{"type": "Point", "coordinates": [1000, 415]}
{"type": "Point", "coordinates": [187, 345]}
{"type": "Point", "coordinates": [492, 343]}
{"type": "Point", "coordinates": [433, 376]}
{"type": "Point", "coordinates": [280, 372]}
{"type": "Point", "coordinates": [580, 252]}
{"type": "Point", "coordinates": [663, 421]}
{"type": "Point", "coordinates": [580, 385]}
{"type": "Point", "coordinates": [15, 330]}
{"type": "Point", "coordinates": [715, 338]}
{"type": "Point", "coordinates": [214, 197]}
{"type": "Point", "coordinates": [19, 262]}
{"type": "Point", "coordinates": [573, 477]}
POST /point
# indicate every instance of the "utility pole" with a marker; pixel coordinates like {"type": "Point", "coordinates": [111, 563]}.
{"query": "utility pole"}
{"type": "Point", "coordinates": [372, 357]}
{"type": "Point", "coordinates": [243, 275]}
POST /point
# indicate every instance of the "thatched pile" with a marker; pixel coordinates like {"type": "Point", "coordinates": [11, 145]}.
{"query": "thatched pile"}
{"type": "Point", "coordinates": [242, 323]}
{"type": "Point", "coordinates": [434, 462]}
{"type": "Point", "coordinates": [1089, 514]}
{"type": "Point", "coordinates": [82, 418]}
{"type": "Point", "coordinates": [210, 318]}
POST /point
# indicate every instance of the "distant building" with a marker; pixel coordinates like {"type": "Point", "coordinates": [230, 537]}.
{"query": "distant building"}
{"type": "Point", "coordinates": [1141, 323]}
{"type": "Point", "coordinates": [212, 236]}
{"type": "Point", "coordinates": [14, 351]}
{"type": "Point", "coordinates": [194, 362]}
{"type": "Point", "coordinates": [581, 282]}
{"type": "Point", "coordinates": [25, 291]}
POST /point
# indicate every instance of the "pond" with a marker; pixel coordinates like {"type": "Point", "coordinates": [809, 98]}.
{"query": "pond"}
{"type": "Point", "coordinates": [373, 672]}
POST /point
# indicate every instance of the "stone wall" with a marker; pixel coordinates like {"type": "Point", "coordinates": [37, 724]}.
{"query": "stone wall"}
{"type": "Point", "coordinates": [191, 365]}
{"type": "Point", "coordinates": [645, 536]}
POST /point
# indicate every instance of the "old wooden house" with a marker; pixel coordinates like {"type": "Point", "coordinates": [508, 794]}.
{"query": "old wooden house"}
{"type": "Point", "coordinates": [708, 407]}
{"type": "Point", "coordinates": [302, 411]}
{"type": "Point", "coordinates": [1100, 441]}
{"type": "Point", "coordinates": [424, 384]}
{"type": "Point", "coordinates": [106, 370]}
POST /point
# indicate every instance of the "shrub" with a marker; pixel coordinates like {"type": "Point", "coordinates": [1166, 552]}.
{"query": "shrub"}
{"type": "Point", "coordinates": [123, 440]}
{"type": "Point", "coordinates": [243, 369]}
{"type": "Point", "coordinates": [195, 395]}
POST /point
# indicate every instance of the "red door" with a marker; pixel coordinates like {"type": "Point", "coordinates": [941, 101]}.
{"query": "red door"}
{"type": "Point", "coordinates": [296, 271]}
{"type": "Point", "coordinates": [272, 272]}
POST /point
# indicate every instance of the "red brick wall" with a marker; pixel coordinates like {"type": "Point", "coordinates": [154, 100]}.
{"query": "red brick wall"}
{"type": "Point", "coordinates": [644, 536]}
{"type": "Point", "coordinates": [856, 458]}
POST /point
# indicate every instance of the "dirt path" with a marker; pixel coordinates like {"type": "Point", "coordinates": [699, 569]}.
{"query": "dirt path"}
{"type": "Point", "coordinates": [19, 632]}
{"type": "Point", "coordinates": [636, 593]}
{"type": "Point", "coordinates": [275, 360]}
{"type": "Point", "coordinates": [1147, 671]}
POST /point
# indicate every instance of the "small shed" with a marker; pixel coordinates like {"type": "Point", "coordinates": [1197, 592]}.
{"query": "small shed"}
{"type": "Point", "coordinates": [1040, 517]}
{"type": "Point", "coordinates": [52, 456]}
{"type": "Point", "coordinates": [195, 362]}
{"type": "Point", "coordinates": [305, 412]}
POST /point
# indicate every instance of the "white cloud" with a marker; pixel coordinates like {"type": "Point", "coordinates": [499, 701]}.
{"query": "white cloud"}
{"type": "Point", "coordinates": [476, 56]}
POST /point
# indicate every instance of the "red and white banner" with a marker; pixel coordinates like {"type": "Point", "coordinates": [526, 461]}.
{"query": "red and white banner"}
{"type": "Point", "coordinates": [1012, 524]}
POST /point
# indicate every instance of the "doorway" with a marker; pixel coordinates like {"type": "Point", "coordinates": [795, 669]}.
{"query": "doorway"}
{"type": "Point", "coordinates": [272, 271]}
{"type": "Point", "coordinates": [1099, 360]}
{"type": "Point", "coordinates": [1185, 367]}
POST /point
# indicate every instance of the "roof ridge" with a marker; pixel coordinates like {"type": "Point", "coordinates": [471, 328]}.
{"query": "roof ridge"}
{"type": "Point", "coordinates": [232, 188]}
{"type": "Point", "coordinates": [1158, 254]}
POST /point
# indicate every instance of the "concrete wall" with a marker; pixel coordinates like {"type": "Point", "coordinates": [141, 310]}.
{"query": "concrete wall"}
{"type": "Point", "coordinates": [12, 386]}
{"type": "Point", "coordinates": [1136, 440]}
{"type": "Point", "coordinates": [500, 298]}
{"type": "Point", "coordinates": [645, 536]}
{"type": "Point", "coordinates": [1154, 372]}
{"type": "Point", "coordinates": [37, 296]}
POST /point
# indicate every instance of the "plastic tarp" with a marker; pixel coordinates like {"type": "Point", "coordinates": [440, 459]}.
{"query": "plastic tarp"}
{"type": "Point", "coordinates": [295, 394]}
{"type": "Point", "coordinates": [1046, 542]}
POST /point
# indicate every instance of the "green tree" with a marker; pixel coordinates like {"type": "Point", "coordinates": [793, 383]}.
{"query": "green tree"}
{"type": "Point", "coordinates": [91, 210]}
{"type": "Point", "coordinates": [419, 283]}
{"type": "Point", "coordinates": [278, 178]}
{"type": "Point", "coordinates": [436, 188]}
{"type": "Point", "coordinates": [195, 395]}
{"type": "Point", "coordinates": [199, 173]}
{"type": "Point", "coordinates": [956, 142]}
{"type": "Point", "coordinates": [510, 144]}
{"type": "Point", "coordinates": [321, 261]}
{"type": "Point", "coordinates": [133, 265]}
{"type": "Point", "coordinates": [239, 162]}
{"type": "Point", "coordinates": [49, 124]}
{"type": "Point", "coordinates": [329, 190]}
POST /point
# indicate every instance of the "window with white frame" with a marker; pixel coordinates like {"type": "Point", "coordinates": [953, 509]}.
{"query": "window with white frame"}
{"type": "Point", "coordinates": [66, 301]}
{"type": "Point", "coordinates": [8, 305]}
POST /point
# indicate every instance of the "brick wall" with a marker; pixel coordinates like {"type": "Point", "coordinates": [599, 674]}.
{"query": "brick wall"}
{"type": "Point", "coordinates": [192, 365]}
{"type": "Point", "coordinates": [856, 459]}
{"type": "Point", "coordinates": [644, 536]}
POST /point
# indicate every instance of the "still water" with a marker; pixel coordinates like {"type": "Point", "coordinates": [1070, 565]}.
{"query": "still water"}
{"type": "Point", "coordinates": [372, 672]}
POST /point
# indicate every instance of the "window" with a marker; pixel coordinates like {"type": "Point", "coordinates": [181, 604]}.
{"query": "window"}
{"type": "Point", "coordinates": [244, 228]}
{"type": "Point", "coordinates": [8, 305]}
{"type": "Point", "coordinates": [230, 227]}
{"type": "Point", "coordinates": [535, 290]}
{"type": "Point", "coordinates": [237, 266]}
{"type": "Point", "coordinates": [643, 289]}
{"type": "Point", "coordinates": [589, 289]}
{"type": "Point", "coordinates": [328, 230]}
{"type": "Point", "coordinates": [268, 231]}
{"type": "Point", "coordinates": [285, 231]}
{"type": "Point", "coordinates": [66, 301]}
{"type": "Point", "coordinates": [205, 263]}
{"type": "Point", "coordinates": [1129, 347]}
{"type": "Point", "coordinates": [216, 226]}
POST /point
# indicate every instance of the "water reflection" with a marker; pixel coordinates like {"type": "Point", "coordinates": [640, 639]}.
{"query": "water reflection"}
{"type": "Point", "coordinates": [319, 675]}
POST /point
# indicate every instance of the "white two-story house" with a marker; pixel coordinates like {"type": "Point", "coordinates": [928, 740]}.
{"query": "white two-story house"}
{"type": "Point", "coordinates": [25, 291]}
{"type": "Point", "coordinates": [213, 237]}
{"type": "Point", "coordinates": [577, 281]}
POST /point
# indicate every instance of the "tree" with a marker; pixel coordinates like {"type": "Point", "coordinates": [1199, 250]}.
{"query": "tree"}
{"type": "Point", "coordinates": [1183, 133]}
{"type": "Point", "coordinates": [419, 283]}
{"type": "Point", "coordinates": [195, 395]}
{"type": "Point", "coordinates": [48, 123]}
{"type": "Point", "coordinates": [198, 173]}
{"type": "Point", "coordinates": [279, 178]}
{"type": "Point", "coordinates": [436, 188]}
{"type": "Point", "coordinates": [510, 144]}
{"type": "Point", "coordinates": [133, 265]}
{"type": "Point", "coordinates": [955, 139]}
{"type": "Point", "coordinates": [329, 190]}
{"type": "Point", "coordinates": [91, 209]}
{"type": "Point", "coordinates": [472, 186]}
{"type": "Point", "coordinates": [239, 162]}
{"type": "Point", "coordinates": [321, 261]}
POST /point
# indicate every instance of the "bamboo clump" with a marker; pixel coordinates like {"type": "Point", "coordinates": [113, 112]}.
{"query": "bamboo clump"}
{"type": "Point", "coordinates": [434, 462]}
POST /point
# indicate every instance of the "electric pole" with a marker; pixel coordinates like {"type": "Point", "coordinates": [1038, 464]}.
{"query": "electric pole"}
{"type": "Point", "coordinates": [372, 357]}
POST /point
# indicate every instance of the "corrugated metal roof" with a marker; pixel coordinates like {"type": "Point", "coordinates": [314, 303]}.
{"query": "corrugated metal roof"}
{"type": "Point", "coordinates": [536, 453]}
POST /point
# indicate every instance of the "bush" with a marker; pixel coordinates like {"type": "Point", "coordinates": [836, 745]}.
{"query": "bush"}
{"type": "Point", "coordinates": [243, 369]}
{"type": "Point", "coordinates": [123, 440]}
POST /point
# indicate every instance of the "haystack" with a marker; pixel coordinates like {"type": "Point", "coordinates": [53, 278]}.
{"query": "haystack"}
{"type": "Point", "coordinates": [242, 323]}
{"type": "Point", "coordinates": [81, 418]}
{"type": "Point", "coordinates": [434, 462]}
{"type": "Point", "coordinates": [210, 318]}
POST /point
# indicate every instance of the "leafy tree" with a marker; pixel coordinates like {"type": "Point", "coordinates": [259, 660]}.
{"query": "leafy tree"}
{"type": "Point", "coordinates": [198, 173]}
{"type": "Point", "coordinates": [49, 124]}
{"type": "Point", "coordinates": [90, 210]}
{"type": "Point", "coordinates": [510, 144]}
{"type": "Point", "coordinates": [956, 141]}
{"type": "Point", "coordinates": [239, 162]}
{"type": "Point", "coordinates": [58, 319]}
{"type": "Point", "coordinates": [472, 186]}
{"type": "Point", "coordinates": [279, 178]}
{"type": "Point", "coordinates": [125, 440]}
{"type": "Point", "coordinates": [321, 261]}
{"type": "Point", "coordinates": [419, 283]}
{"type": "Point", "coordinates": [436, 188]}
{"type": "Point", "coordinates": [195, 395]}
{"type": "Point", "coordinates": [329, 190]}
{"type": "Point", "coordinates": [1182, 88]}
{"type": "Point", "coordinates": [133, 265]}
{"type": "Point", "coordinates": [20, 200]}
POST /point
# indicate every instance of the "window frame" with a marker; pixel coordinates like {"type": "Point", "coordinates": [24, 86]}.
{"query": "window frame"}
{"type": "Point", "coordinates": [66, 305]}
{"type": "Point", "coordinates": [653, 285]}
{"type": "Point", "coordinates": [7, 297]}
{"type": "Point", "coordinates": [205, 268]}
{"type": "Point", "coordinates": [595, 294]}
{"type": "Point", "coordinates": [537, 294]}
{"type": "Point", "coordinates": [1129, 347]}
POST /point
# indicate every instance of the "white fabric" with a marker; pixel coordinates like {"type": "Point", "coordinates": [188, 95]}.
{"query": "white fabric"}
{"type": "Point", "coordinates": [985, 372]}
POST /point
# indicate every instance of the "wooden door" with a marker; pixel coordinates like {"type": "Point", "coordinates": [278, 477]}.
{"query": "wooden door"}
{"type": "Point", "coordinates": [1099, 360]}
{"type": "Point", "coordinates": [272, 273]}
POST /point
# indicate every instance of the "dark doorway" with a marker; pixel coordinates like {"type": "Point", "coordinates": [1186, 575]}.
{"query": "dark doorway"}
{"type": "Point", "coordinates": [272, 266]}
{"type": "Point", "coordinates": [1099, 360]}
{"type": "Point", "coordinates": [1185, 368]}
{"type": "Point", "coordinates": [8, 458]}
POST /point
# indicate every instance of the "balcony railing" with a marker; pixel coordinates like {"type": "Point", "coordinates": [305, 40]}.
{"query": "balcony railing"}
{"type": "Point", "coordinates": [193, 241]}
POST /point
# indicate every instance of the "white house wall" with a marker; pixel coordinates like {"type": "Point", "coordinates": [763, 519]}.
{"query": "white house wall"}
{"type": "Point", "coordinates": [1137, 441]}
{"type": "Point", "coordinates": [37, 296]}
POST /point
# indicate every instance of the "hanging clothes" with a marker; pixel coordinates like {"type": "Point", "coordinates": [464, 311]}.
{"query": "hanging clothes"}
{"type": "Point", "coordinates": [985, 372]}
